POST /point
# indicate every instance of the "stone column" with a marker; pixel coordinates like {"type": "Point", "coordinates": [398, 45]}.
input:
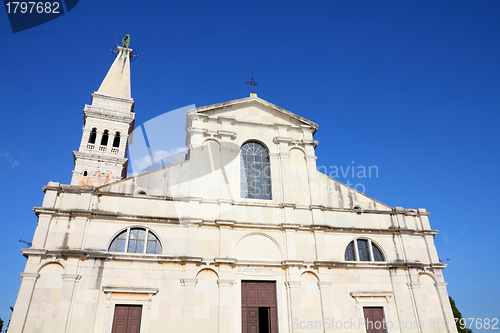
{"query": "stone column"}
{"type": "Point", "coordinates": [226, 306]}
{"type": "Point", "coordinates": [23, 302]}
{"type": "Point", "coordinates": [188, 319]}
{"type": "Point", "coordinates": [293, 293]}
{"type": "Point", "coordinates": [98, 139]}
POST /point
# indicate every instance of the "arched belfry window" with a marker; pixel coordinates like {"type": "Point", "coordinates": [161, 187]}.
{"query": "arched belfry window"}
{"type": "Point", "coordinates": [116, 141]}
{"type": "Point", "coordinates": [255, 171]}
{"type": "Point", "coordinates": [105, 137]}
{"type": "Point", "coordinates": [363, 250]}
{"type": "Point", "coordinates": [93, 135]}
{"type": "Point", "coordinates": [136, 240]}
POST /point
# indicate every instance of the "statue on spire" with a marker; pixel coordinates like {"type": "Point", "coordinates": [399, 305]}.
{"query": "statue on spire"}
{"type": "Point", "coordinates": [126, 41]}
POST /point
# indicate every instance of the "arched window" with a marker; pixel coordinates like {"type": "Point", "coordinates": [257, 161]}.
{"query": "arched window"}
{"type": "Point", "coordinates": [255, 171]}
{"type": "Point", "coordinates": [116, 141]}
{"type": "Point", "coordinates": [363, 250]}
{"type": "Point", "coordinates": [105, 137]}
{"type": "Point", "coordinates": [136, 240]}
{"type": "Point", "coordinates": [93, 135]}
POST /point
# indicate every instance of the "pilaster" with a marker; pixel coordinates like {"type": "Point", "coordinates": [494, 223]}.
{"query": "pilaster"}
{"type": "Point", "coordinates": [41, 231]}
{"type": "Point", "coordinates": [293, 296]}
{"type": "Point", "coordinates": [447, 312]}
{"type": "Point", "coordinates": [65, 301]}
{"type": "Point", "coordinates": [188, 321]}
{"type": "Point", "coordinates": [226, 305]}
{"type": "Point", "coordinates": [325, 292]}
{"type": "Point", "coordinates": [419, 305]}
{"type": "Point", "coordinates": [23, 301]}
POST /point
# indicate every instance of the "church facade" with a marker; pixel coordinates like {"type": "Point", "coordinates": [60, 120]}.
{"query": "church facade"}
{"type": "Point", "coordinates": [243, 235]}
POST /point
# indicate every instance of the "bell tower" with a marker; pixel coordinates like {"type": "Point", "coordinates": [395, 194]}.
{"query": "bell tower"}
{"type": "Point", "coordinates": [108, 122]}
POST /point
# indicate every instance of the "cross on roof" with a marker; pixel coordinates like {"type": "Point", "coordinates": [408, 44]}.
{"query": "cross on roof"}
{"type": "Point", "coordinates": [252, 83]}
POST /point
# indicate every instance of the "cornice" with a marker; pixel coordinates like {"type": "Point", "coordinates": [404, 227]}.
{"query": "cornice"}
{"type": "Point", "coordinates": [234, 262]}
{"type": "Point", "coordinates": [225, 223]}
{"type": "Point", "coordinates": [113, 97]}
{"type": "Point", "coordinates": [129, 290]}
{"type": "Point", "coordinates": [248, 202]}
{"type": "Point", "coordinates": [96, 156]}
{"type": "Point", "coordinates": [101, 113]}
{"type": "Point", "coordinates": [371, 294]}
{"type": "Point", "coordinates": [257, 100]}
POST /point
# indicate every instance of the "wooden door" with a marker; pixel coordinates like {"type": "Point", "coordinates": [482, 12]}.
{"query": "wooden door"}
{"type": "Point", "coordinates": [127, 319]}
{"type": "Point", "coordinates": [258, 307]}
{"type": "Point", "coordinates": [374, 320]}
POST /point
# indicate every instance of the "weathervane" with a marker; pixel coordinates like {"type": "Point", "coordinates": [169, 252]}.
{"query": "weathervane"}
{"type": "Point", "coordinates": [252, 83]}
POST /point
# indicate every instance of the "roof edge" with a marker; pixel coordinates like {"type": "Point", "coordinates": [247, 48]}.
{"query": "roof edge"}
{"type": "Point", "coordinates": [260, 101]}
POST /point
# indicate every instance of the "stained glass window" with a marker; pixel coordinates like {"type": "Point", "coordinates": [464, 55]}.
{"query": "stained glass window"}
{"type": "Point", "coordinates": [134, 241]}
{"type": "Point", "coordinates": [255, 171]}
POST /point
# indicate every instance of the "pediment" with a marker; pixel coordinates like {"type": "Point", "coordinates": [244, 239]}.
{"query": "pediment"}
{"type": "Point", "coordinates": [255, 109]}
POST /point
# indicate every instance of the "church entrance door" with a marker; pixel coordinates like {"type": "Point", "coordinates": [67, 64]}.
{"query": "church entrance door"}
{"type": "Point", "coordinates": [259, 312]}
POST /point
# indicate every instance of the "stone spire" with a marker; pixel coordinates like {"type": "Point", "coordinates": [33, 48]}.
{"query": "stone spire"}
{"type": "Point", "coordinates": [108, 122]}
{"type": "Point", "coordinates": [117, 81]}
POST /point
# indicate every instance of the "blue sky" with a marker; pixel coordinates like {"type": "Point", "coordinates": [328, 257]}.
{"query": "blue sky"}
{"type": "Point", "coordinates": [411, 87]}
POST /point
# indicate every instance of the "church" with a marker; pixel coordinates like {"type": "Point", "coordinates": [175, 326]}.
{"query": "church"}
{"type": "Point", "coordinates": [243, 234]}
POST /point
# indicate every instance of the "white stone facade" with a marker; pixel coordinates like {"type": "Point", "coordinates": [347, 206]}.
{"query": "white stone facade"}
{"type": "Point", "coordinates": [213, 239]}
